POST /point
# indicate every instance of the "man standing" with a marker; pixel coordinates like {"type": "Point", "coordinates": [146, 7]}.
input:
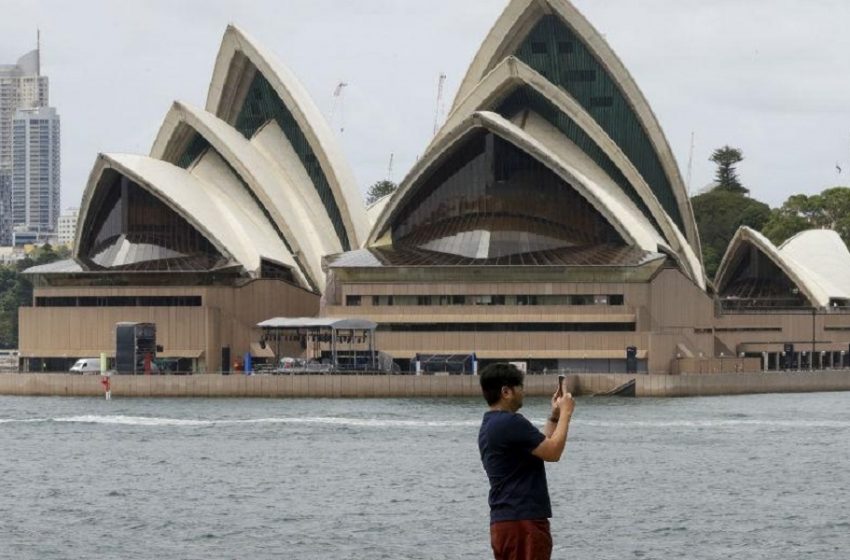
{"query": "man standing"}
{"type": "Point", "coordinates": [513, 452]}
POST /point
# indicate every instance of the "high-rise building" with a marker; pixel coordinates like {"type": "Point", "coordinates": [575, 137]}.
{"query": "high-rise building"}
{"type": "Point", "coordinates": [67, 226]}
{"type": "Point", "coordinates": [5, 210]}
{"type": "Point", "coordinates": [21, 87]}
{"type": "Point", "coordinates": [35, 169]}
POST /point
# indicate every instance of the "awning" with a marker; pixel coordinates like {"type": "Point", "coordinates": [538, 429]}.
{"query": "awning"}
{"type": "Point", "coordinates": [48, 353]}
{"type": "Point", "coordinates": [169, 353]}
{"type": "Point", "coordinates": [525, 354]}
{"type": "Point", "coordinates": [318, 323]}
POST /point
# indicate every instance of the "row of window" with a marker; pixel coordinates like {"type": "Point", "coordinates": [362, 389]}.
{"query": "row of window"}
{"type": "Point", "coordinates": [506, 327]}
{"type": "Point", "coordinates": [571, 299]}
{"type": "Point", "coordinates": [119, 301]}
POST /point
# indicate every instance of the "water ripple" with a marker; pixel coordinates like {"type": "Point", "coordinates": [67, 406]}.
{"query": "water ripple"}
{"type": "Point", "coordinates": [757, 477]}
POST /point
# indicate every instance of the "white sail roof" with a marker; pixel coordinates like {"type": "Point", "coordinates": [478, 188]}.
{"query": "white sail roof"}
{"type": "Point", "coordinates": [540, 140]}
{"type": "Point", "coordinates": [236, 53]}
{"type": "Point", "coordinates": [809, 272]}
{"type": "Point", "coordinates": [511, 74]}
{"type": "Point", "coordinates": [513, 26]}
{"type": "Point", "coordinates": [304, 225]}
{"type": "Point", "coordinates": [226, 221]}
{"type": "Point", "coordinates": [822, 254]}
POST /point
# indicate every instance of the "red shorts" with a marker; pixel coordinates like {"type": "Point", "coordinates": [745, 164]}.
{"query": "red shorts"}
{"type": "Point", "coordinates": [521, 540]}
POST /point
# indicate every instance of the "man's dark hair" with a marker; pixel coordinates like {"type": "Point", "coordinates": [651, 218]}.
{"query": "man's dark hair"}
{"type": "Point", "coordinates": [496, 376]}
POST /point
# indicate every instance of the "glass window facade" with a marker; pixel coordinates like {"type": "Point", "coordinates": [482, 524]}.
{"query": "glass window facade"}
{"type": "Point", "coordinates": [526, 98]}
{"type": "Point", "coordinates": [119, 301]}
{"type": "Point", "coordinates": [756, 282]}
{"type": "Point", "coordinates": [601, 97]}
{"type": "Point", "coordinates": [506, 327]}
{"type": "Point", "coordinates": [131, 229]}
{"type": "Point", "coordinates": [261, 105]}
{"type": "Point", "coordinates": [273, 270]}
{"type": "Point", "coordinates": [490, 199]}
{"type": "Point", "coordinates": [498, 299]}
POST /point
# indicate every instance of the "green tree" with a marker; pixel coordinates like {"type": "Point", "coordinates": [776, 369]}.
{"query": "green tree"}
{"type": "Point", "coordinates": [8, 307]}
{"type": "Point", "coordinates": [380, 190]}
{"type": "Point", "coordinates": [726, 175]}
{"type": "Point", "coordinates": [829, 209]}
{"type": "Point", "coordinates": [719, 213]}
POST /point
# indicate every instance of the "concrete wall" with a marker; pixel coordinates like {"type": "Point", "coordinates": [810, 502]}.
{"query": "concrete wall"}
{"type": "Point", "coordinates": [405, 386]}
{"type": "Point", "coordinates": [318, 386]}
{"type": "Point", "coordinates": [709, 366]}
{"type": "Point", "coordinates": [228, 317]}
{"type": "Point", "coordinates": [719, 384]}
{"type": "Point", "coordinates": [513, 345]}
{"type": "Point", "coordinates": [669, 311]}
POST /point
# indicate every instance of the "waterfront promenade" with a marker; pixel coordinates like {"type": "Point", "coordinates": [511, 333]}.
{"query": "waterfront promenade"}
{"type": "Point", "coordinates": [404, 386]}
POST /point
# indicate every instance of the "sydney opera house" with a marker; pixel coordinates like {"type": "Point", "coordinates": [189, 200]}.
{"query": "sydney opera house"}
{"type": "Point", "coordinates": [546, 223]}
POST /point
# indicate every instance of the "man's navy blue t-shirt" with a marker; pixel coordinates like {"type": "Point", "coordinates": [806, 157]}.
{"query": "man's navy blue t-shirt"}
{"type": "Point", "coordinates": [518, 488]}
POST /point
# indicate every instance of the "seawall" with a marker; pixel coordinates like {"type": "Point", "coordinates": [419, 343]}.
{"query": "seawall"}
{"type": "Point", "coordinates": [405, 386]}
{"type": "Point", "coordinates": [268, 386]}
{"type": "Point", "coordinates": [718, 384]}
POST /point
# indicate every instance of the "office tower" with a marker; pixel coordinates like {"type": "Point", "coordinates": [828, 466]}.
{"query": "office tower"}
{"type": "Point", "coordinates": [35, 169]}
{"type": "Point", "coordinates": [67, 226]}
{"type": "Point", "coordinates": [21, 87]}
{"type": "Point", "coordinates": [5, 211]}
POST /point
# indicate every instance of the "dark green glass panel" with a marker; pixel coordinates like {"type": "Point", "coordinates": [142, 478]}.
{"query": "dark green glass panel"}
{"type": "Point", "coordinates": [525, 98]}
{"type": "Point", "coordinates": [757, 282]}
{"type": "Point", "coordinates": [263, 104]}
{"type": "Point", "coordinates": [556, 52]}
{"type": "Point", "coordinates": [195, 148]}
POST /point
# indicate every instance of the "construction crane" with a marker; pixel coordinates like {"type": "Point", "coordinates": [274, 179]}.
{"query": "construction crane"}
{"type": "Point", "coordinates": [439, 109]}
{"type": "Point", "coordinates": [338, 105]}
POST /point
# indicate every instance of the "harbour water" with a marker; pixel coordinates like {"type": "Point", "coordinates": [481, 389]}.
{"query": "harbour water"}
{"type": "Point", "coordinates": [757, 477]}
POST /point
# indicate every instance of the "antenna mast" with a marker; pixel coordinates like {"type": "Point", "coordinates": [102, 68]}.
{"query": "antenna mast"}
{"type": "Point", "coordinates": [37, 51]}
{"type": "Point", "coordinates": [439, 109]}
{"type": "Point", "coordinates": [338, 103]}
{"type": "Point", "coordinates": [390, 168]}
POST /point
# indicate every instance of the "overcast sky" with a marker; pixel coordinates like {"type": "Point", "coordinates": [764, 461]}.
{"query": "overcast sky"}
{"type": "Point", "coordinates": [771, 77]}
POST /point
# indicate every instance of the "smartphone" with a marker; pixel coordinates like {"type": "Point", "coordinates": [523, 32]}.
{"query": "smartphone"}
{"type": "Point", "coordinates": [561, 384]}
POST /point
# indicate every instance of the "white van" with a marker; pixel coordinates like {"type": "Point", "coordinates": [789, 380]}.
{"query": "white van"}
{"type": "Point", "coordinates": [86, 365]}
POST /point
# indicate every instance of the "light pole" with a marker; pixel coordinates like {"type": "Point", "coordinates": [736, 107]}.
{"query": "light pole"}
{"type": "Point", "coordinates": [814, 339]}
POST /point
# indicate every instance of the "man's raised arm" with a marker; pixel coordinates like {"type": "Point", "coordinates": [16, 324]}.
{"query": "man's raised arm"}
{"type": "Point", "coordinates": [551, 448]}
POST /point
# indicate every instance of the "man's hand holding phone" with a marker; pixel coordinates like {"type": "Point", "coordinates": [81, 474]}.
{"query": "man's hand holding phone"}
{"type": "Point", "coordinates": [562, 401]}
